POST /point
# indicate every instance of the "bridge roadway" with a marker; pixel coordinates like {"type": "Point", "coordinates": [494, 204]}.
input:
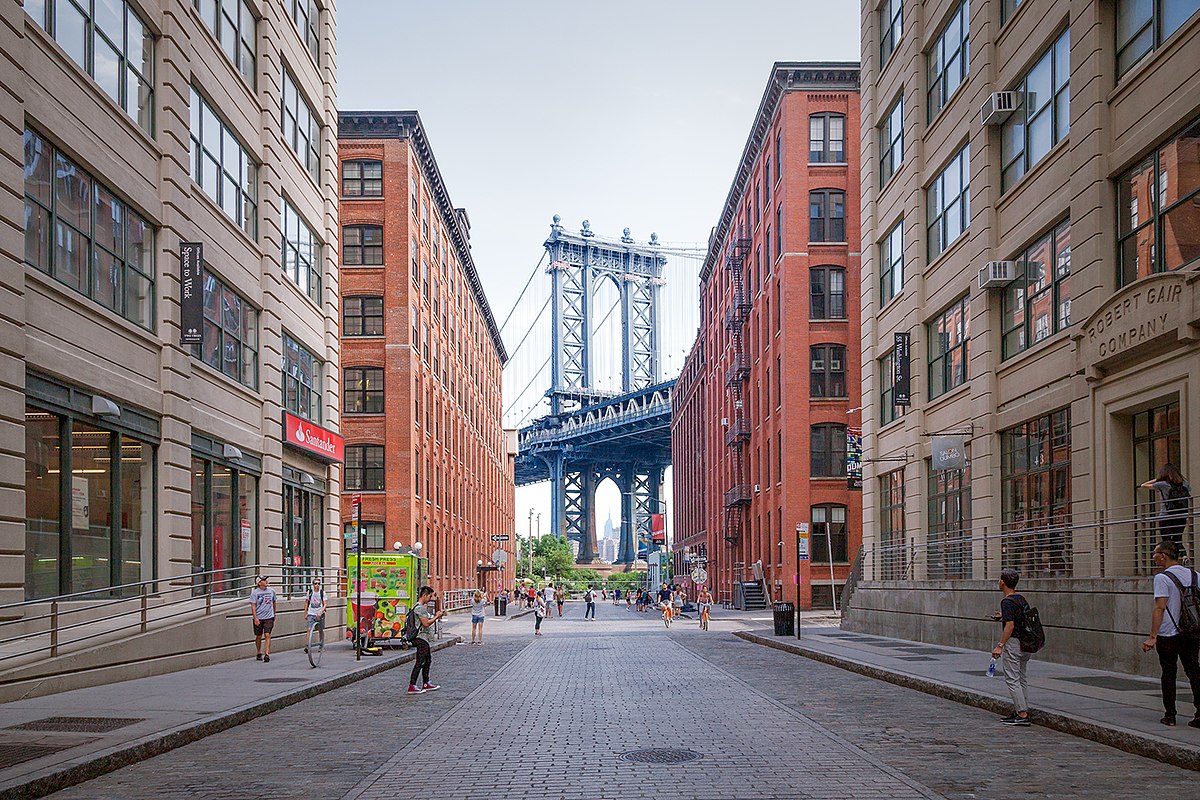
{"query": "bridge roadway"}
{"type": "Point", "coordinates": [548, 718]}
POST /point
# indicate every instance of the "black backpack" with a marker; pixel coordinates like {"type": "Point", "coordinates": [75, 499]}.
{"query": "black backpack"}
{"type": "Point", "coordinates": [411, 627]}
{"type": "Point", "coordinates": [1030, 632]}
{"type": "Point", "coordinates": [1189, 606]}
{"type": "Point", "coordinates": [1177, 498]}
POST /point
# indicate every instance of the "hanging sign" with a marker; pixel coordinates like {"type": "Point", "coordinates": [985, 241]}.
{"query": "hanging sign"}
{"type": "Point", "coordinates": [901, 369]}
{"type": "Point", "coordinates": [313, 439]}
{"type": "Point", "coordinates": [658, 527]}
{"type": "Point", "coordinates": [191, 293]}
{"type": "Point", "coordinates": [949, 452]}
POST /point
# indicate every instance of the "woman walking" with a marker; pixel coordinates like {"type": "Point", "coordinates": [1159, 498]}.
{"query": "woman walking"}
{"type": "Point", "coordinates": [1174, 501]}
{"type": "Point", "coordinates": [539, 611]}
{"type": "Point", "coordinates": [478, 609]}
{"type": "Point", "coordinates": [1172, 644]}
{"type": "Point", "coordinates": [560, 597]}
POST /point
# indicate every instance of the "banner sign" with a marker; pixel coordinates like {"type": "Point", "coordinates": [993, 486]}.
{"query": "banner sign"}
{"type": "Point", "coordinates": [949, 452]}
{"type": "Point", "coordinates": [854, 458]}
{"type": "Point", "coordinates": [191, 293]}
{"type": "Point", "coordinates": [313, 439]}
{"type": "Point", "coordinates": [658, 527]}
{"type": "Point", "coordinates": [901, 370]}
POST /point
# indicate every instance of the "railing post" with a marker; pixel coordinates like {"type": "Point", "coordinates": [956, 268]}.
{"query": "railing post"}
{"type": "Point", "coordinates": [208, 601]}
{"type": "Point", "coordinates": [54, 629]}
{"type": "Point", "coordinates": [145, 596]}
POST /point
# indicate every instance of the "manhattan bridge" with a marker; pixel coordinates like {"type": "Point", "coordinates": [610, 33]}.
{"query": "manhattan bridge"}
{"type": "Point", "coordinates": [597, 338]}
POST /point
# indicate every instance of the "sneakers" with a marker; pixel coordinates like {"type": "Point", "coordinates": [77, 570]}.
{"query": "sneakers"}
{"type": "Point", "coordinates": [430, 687]}
{"type": "Point", "coordinates": [266, 658]}
{"type": "Point", "coordinates": [1169, 720]}
{"type": "Point", "coordinates": [258, 656]}
{"type": "Point", "coordinates": [1017, 721]}
{"type": "Point", "coordinates": [415, 690]}
{"type": "Point", "coordinates": [1194, 722]}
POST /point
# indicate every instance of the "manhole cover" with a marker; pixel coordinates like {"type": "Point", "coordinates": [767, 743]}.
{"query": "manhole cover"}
{"type": "Point", "coordinates": [660, 755]}
{"type": "Point", "coordinates": [13, 754]}
{"type": "Point", "coordinates": [281, 680]}
{"type": "Point", "coordinates": [77, 724]}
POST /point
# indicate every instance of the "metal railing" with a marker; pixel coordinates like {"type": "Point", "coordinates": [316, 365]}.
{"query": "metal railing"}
{"type": "Point", "coordinates": [1115, 542]}
{"type": "Point", "coordinates": [50, 625]}
{"type": "Point", "coordinates": [454, 599]}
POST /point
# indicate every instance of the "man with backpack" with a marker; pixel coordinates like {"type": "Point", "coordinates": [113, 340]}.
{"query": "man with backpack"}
{"type": "Point", "coordinates": [1175, 626]}
{"type": "Point", "coordinates": [418, 629]}
{"type": "Point", "coordinates": [589, 597]}
{"type": "Point", "coordinates": [1017, 644]}
{"type": "Point", "coordinates": [1174, 501]}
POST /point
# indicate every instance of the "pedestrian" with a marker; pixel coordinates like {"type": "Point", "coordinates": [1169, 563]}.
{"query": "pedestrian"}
{"type": "Point", "coordinates": [1166, 638]}
{"type": "Point", "coordinates": [314, 606]}
{"type": "Point", "coordinates": [426, 618]}
{"type": "Point", "coordinates": [262, 608]}
{"type": "Point", "coordinates": [478, 609]}
{"type": "Point", "coordinates": [628, 601]}
{"type": "Point", "coordinates": [560, 597]}
{"type": "Point", "coordinates": [1011, 615]}
{"type": "Point", "coordinates": [539, 611]}
{"type": "Point", "coordinates": [589, 598]}
{"type": "Point", "coordinates": [680, 599]}
{"type": "Point", "coordinates": [549, 594]}
{"type": "Point", "coordinates": [1174, 501]}
{"type": "Point", "coordinates": [531, 593]}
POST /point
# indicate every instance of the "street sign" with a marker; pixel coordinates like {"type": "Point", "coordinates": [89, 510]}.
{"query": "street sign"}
{"type": "Point", "coordinates": [802, 542]}
{"type": "Point", "coordinates": [499, 537]}
{"type": "Point", "coordinates": [699, 576]}
{"type": "Point", "coordinates": [499, 557]}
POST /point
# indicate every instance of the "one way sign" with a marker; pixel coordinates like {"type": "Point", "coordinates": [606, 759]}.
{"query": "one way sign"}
{"type": "Point", "coordinates": [499, 537]}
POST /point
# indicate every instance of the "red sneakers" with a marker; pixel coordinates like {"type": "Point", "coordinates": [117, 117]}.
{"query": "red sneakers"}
{"type": "Point", "coordinates": [415, 690]}
{"type": "Point", "coordinates": [430, 687]}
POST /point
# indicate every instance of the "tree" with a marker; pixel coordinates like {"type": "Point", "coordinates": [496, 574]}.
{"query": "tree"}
{"type": "Point", "coordinates": [553, 555]}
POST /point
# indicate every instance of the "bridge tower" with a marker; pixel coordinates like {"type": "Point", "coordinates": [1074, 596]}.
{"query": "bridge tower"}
{"type": "Point", "coordinates": [579, 264]}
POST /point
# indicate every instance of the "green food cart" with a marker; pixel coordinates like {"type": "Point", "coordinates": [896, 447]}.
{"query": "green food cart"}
{"type": "Point", "coordinates": [389, 588]}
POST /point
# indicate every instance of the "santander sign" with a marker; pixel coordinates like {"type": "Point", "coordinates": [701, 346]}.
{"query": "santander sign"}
{"type": "Point", "coordinates": [313, 439]}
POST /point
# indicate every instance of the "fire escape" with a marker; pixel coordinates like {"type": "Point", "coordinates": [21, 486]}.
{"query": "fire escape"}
{"type": "Point", "coordinates": [737, 431]}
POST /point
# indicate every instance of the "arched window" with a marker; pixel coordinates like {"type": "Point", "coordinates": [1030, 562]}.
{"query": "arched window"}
{"type": "Point", "coordinates": [827, 215]}
{"type": "Point", "coordinates": [829, 533]}
{"type": "Point", "coordinates": [362, 178]}
{"type": "Point", "coordinates": [828, 370]}
{"type": "Point", "coordinates": [827, 293]}
{"type": "Point", "coordinates": [826, 139]}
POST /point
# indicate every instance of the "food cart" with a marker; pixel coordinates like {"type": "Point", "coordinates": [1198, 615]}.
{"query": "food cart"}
{"type": "Point", "coordinates": [389, 588]}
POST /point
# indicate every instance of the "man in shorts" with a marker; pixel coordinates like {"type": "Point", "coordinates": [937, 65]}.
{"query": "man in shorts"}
{"type": "Point", "coordinates": [262, 607]}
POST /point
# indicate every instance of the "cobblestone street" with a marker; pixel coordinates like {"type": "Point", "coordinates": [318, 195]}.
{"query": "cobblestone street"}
{"type": "Point", "coordinates": [550, 718]}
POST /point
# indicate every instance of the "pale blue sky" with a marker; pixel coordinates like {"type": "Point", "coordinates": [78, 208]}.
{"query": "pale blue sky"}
{"type": "Point", "coordinates": [621, 112]}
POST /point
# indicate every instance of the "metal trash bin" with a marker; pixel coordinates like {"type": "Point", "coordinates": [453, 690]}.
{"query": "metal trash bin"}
{"type": "Point", "coordinates": [501, 607]}
{"type": "Point", "coordinates": [785, 618]}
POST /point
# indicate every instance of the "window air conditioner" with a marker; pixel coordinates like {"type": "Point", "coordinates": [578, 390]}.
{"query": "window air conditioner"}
{"type": "Point", "coordinates": [997, 274]}
{"type": "Point", "coordinates": [998, 106]}
{"type": "Point", "coordinates": [757, 488]}
{"type": "Point", "coordinates": [724, 422]}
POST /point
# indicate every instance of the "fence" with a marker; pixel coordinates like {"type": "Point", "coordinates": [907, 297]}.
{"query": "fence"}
{"type": "Point", "coordinates": [454, 599]}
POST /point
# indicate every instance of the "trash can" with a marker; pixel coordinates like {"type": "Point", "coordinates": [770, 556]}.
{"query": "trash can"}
{"type": "Point", "coordinates": [501, 607]}
{"type": "Point", "coordinates": [785, 619]}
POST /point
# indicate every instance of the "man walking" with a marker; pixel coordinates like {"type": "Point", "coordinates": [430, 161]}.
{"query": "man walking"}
{"type": "Point", "coordinates": [426, 617]}
{"type": "Point", "coordinates": [1172, 644]}
{"type": "Point", "coordinates": [548, 593]}
{"type": "Point", "coordinates": [262, 608]}
{"type": "Point", "coordinates": [1011, 616]}
{"type": "Point", "coordinates": [590, 599]}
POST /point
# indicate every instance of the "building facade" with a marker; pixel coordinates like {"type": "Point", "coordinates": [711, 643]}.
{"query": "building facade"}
{"type": "Point", "coordinates": [1030, 229]}
{"type": "Point", "coordinates": [421, 360]}
{"type": "Point", "coordinates": [763, 404]}
{"type": "Point", "coordinates": [129, 454]}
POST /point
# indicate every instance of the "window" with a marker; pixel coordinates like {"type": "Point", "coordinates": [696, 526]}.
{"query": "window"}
{"type": "Point", "coordinates": [891, 26]}
{"type": "Point", "coordinates": [301, 127]}
{"type": "Point", "coordinates": [364, 467]}
{"type": "Point", "coordinates": [827, 293]}
{"type": "Point", "coordinates": [889, 411]}
{"type": "Point", "coordinates": [374, 538]}
{"type": "Point", "coordinates": [778, 236]}
{"type": "Point", "coordinates": [949, 337]}
{"type": "Point", "coordinates": [1158, 210]}
{"type": "Point", "coordinates": [307, 17]}
{"type": "Point", "coordinates": [767, 177]}
{"type": "Point", "coordinates": [891, 141]}
{"type": "Point", "coordinates": [829, 534]}
{"type": "Point", "coordinates": [1044, 118]}
{"type": "Point", "coordinates": [891, 263]}
{"type": "Point", "coordinates": [892, 558]}
{"type": "Point", "coordinates": [362, 390]}
{"type": "Point", "coordinates": [362, 245]}
{"type": "Point", "coordinates": [949, 202]}
{"type": "Point", "coordinates": [827, 215]}
{"type": "Point", "coordinates": [949, 551]}
{"type": "Point", "coordinates": [362, 178]}
{"type": "Point", "coordinates": [949, 59]}
{"type": "Point", "coordinates": [1143, 25]}
{"type": "Point", "coordinates": [1038, 303]}
{"type": "Point", "coordinates": [80, 233]}
{"type": "Point", "coordinates": [778, 154]}
{"type": "Point", "coordinates": [301, 380]}
{"type": "Point", "coordinates": [109, 41]}
{"type": "Point", "coordinates": [1035, 468]}
{"type": "Point", "coordinates": [363, 316]}
{"type": "Point", "coordinates": [828, 450]}
{"type": "Point", "coordinates": [1007, 9]}
{"type": "Point", "coordinates": [827, 139]}
{"type": "Point", "coordinates": [232, 24]}
{"type": "Point", "coordinates": [222, 167]}
{"type": "Point", "coordinates": [224, 521]}
{"type": "Point", "coordinates": [1157, 440]}
{"type": "Point", "coordinates": [108, 539]}
{"type": "Point", "coordinates": [230, 335]}
{"type": "Point", "coordinates": [828, 365]}
{"type": "Point", "coordinates": [301, 253]}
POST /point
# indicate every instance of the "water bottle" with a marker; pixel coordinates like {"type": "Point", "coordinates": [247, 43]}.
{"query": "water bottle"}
{"type": "Point", "coordinates": [991, 670]}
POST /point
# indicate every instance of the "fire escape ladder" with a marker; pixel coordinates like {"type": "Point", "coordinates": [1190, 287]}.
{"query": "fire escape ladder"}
{"type": "Point", "coordinates": [737, 435]}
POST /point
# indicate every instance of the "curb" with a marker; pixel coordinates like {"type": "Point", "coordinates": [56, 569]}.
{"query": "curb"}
{"type": "Point", "coordinates": [1130, 741]}
{"type": "Point", "coordinates": [154, 744]}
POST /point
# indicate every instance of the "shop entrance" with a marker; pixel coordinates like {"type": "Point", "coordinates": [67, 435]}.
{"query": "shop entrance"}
{"type": "Point", "coordinates": [303, 525]}
{"type": "Point", "coordinates": [1156, 441]}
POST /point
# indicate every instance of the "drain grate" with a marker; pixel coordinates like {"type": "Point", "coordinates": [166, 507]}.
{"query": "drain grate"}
{"type": "Point", "coordinates": [281, 680]}
{"type": "Point", "coordinates": [77, 724]}
{"type": "Point", "coordinates": [661, 755]}
{"type": "Point", "coordinates": [13, 754]}
{"type": "Point", "coordinates": [1113, 682]}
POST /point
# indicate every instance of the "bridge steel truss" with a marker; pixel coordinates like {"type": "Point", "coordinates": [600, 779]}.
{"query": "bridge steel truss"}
{"type": "Point", "coordinates": [592, 434]}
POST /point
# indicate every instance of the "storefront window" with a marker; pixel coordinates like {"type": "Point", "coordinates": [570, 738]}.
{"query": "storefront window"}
{"type": "Point", "coordinates": [303, 523]}
{"type": "Point", "coordinates": [1035, 462]}
{"type": "Point", "coordinates": [949, 523]}
{"type": "Point", "coordinates": [224, 523]}
{"type": "Point", "coordinates": [43, 503]}
{"type": "Point", "coordinates": [1157, 440]}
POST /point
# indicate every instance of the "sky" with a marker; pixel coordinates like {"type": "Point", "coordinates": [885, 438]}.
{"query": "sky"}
{"type": "Point", "coordinates": [627, 113]}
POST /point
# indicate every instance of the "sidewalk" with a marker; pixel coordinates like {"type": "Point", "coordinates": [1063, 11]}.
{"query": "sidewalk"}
{"type": "Point", "coordinates": [1112, 708]}
{"type": "Point", "coordinates": [48, 743]}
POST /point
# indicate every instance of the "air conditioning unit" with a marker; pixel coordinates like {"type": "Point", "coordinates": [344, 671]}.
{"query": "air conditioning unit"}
{"type": "Point", "coordinates": [724, 422]}
{"type": "Point", "coordinates": [997, 274]}
{"type": "Point", "coordinates": [757, 488]}
{"type": "Point", "coordinates": [998, 106]}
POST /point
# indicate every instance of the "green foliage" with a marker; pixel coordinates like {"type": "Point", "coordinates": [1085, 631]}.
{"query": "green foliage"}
{"type": "Point", "coordinates": [551, 556]}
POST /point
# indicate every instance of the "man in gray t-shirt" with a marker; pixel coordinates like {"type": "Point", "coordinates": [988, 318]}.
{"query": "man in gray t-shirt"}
{"type": "Point", "coordinates": [262, 607]}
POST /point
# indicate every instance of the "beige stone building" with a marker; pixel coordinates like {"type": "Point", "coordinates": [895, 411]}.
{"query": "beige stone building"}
{"type": "Point", "coordinates": [1054, 147]}
{"type": "Point", "coordinates": [127, 454]}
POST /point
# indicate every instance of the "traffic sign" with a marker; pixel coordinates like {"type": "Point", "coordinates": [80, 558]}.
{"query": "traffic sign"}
{"type": "Point", "coordinates": [499, 537]}
{"type": "Point", "coordinates": [500, 557]}
{"type": "Point", "coordinates": [699, 576]}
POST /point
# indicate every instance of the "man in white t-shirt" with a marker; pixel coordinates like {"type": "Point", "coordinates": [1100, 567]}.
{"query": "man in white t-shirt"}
{"type": "Point", "coordinates": [548, 594]}
{"type": "Point", "coordinates": [1165, 638]}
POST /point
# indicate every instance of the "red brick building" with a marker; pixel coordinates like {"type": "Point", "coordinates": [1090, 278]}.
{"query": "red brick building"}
{"type": "Point", "coordinates": [421, 358]}
{"type": "Point", "coordinates": [765, 397]}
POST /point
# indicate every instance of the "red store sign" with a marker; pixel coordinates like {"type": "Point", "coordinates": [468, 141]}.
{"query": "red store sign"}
{"type": "Point", "coordinates": [313, 439]}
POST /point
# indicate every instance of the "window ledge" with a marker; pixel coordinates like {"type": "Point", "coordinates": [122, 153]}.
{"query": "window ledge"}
{"type": "Point", "coordinates": [840, 478]}
{"type": "Point", "coordinates": [72, 298]}
{"type": "Point", "coordinates": [358, 414]}
{"type": "Point", "coordinates": [1130, 81]}
{"type": "Point", "coordinates": [828, 244]}
{"type": "Point", "coordinates": [198, 194]}
{"type": "Point", "coordinates": [891, 301]}
{"type": "Point", "coordinates": [945, 397]}
{"type": "Point", "coordinates": [952, 248]}
{"type": "Point", "coordinates": [828, 163]}
{"type": "Point", "coordinates": [233, 383]}
{"type": "Point", "coordinates": [358, 197]}
{"type": "Point", "coordinates": [1013, 362]}
{"type": "Point", "coordinates": [1041, 166]}
{"type": "Point", "coordinates": [834, 320]}
{"type": "Point", "coordinates": [829, 399]}
{"type": "Point", "coordinates": [368, 336]}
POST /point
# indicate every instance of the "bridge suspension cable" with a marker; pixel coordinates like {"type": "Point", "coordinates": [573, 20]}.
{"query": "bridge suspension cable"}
{"type": "Point", "coordinates": [528, 283]}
